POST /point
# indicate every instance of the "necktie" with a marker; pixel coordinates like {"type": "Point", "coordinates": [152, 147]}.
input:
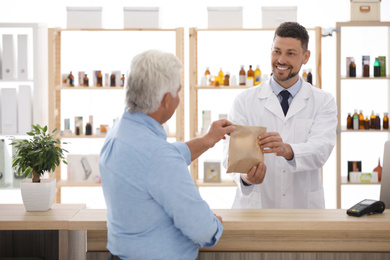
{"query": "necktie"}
{"type": "Point", "coordinates": [285, 95]}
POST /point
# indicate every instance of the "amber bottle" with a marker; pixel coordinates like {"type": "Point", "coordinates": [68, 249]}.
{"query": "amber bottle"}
{"type": "Point", "coordinates": [112, 80]}
{"type": "Point", "coordinates": [242, 77]}
{"type": "Point", "coordinates": [372, 120]}
{"type": "Point", "coordinates": [86, 81]}
{"type": "Point", "coordinates": [361, 120]}
{"type": "Point", "coordinates": [251, 75]}
{"type": "Point", "coordinates": [352, 68]}
{"type": "Point", "coordinates": [99, 79]}
{"type": "Point", "coordinates": [377, 122]}
{"type": "Point", "coordinates": [385, 121]}
{"type": "Point", "coordinates": [71, 80]}
{"type": "Point", "coordinates": [349, 121]}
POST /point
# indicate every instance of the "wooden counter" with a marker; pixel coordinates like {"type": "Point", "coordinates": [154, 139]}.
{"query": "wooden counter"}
{"type": "Point", "coordinates": [268, 230]}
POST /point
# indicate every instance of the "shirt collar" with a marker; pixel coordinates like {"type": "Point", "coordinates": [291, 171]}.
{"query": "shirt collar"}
{"type": "Point", "coordinates": [148, 121]}
{"type": "Point", "coordinates": [294, 89]}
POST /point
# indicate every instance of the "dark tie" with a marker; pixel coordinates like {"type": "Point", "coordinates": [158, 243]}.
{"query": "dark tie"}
{"type": "Point", "coordinates": [285, 95]}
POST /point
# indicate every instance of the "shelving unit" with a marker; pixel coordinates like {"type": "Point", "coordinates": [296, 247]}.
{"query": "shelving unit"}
{"type": "Point", "coordinates": [355, 39]}
{"type": "Point", "coordinates": [56, 90]}
{"type": "Point", "coordinates": [228, 51]}
{"type": "Point", "coordinates": [36, 79]}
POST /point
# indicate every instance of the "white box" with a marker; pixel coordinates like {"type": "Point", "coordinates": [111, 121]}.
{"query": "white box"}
{"type": "Point", "coordinates": [9, 110]}
{"type": "Point", "coordinates": [84, 17]}
{"type": "Point", "coordinates": [83, 168]}
{"type": "Point", "coordinates": [363, 177]}
{"type": "Point", "coordinates": [9, 56]}
{"type": "Point", "coordinates": [224, 17]}
{"type": "Point", "coordinates": [2, 164]}
{"type": "Point", "coordinates": [141, 17]}
{"type": "Point", "coordinates": [22, 57]}
{"type": "Point", "coordinates": [24, 109]}
{"type": "Point", "coordinates": [365, 10]}
{"type": "Point", "coordinates": [273, 16]}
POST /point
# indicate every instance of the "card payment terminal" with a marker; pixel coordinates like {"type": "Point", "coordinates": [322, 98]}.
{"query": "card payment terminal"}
{"type": "Point", "coordinates": [366, 207]}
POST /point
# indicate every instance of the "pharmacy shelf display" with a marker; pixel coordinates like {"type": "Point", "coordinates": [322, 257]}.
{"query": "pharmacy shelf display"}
{"type": "Point", "coordinates": [107, 50]}
{"type": "Point", "coordinates": [229, 49]}
{"type": "Point", "coordinates": [23, 86]}
{"type": "Point", "coordinates": [358, 92]}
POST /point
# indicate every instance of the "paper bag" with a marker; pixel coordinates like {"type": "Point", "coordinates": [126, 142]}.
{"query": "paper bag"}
{"type": "Point", "coordinates": [244, 148]}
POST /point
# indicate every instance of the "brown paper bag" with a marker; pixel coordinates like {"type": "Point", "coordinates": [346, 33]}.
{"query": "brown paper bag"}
{"type": "Point", "coordinates": [244, 148]}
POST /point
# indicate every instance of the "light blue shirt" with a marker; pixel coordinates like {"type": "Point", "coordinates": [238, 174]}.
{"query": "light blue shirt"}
{"type": "Point", "coordinates": [154, 210]}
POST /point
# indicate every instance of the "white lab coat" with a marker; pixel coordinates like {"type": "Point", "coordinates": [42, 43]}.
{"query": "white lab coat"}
{"type": "Point", "coordinates": [309, 127]}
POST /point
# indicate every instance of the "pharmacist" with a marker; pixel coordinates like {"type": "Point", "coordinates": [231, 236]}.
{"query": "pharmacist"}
{"type": "Point", "coordinates": [301, 130]}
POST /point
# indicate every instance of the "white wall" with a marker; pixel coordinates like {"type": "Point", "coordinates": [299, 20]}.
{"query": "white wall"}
{"type": "Point", "coordinates": [184, 13]}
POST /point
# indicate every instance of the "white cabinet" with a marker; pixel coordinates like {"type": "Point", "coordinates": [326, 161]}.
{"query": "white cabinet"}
{"type": "Point", "coordinates": [357, 39]}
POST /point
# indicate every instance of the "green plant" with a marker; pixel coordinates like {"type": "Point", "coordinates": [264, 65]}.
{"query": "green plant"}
{"type": "Point", "coordinates": [38, 154]}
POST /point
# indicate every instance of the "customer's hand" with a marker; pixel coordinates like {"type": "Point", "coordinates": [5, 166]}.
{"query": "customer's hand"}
{"type": "Point", "coordinates": [218, 130]}
{"type": "Point", "coordinates": [219, 218]}
{"type": "Point", "coordinates": [256, 175]}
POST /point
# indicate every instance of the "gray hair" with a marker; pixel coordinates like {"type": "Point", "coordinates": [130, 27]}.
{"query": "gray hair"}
{"type": "Point", "coordinates": [153, 74]}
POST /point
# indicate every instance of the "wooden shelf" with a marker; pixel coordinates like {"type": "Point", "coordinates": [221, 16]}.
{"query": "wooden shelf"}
{"type": "Point", "coordinates": [61, 87]}
{"type": "Point", "coordinates": [344, 181]}
{"type": "Point", "coordinates": [222, 87]}
{"type": "Point", "coordinates": [223, 183]}
{"type": "Point", "coordinates": [363, 78]}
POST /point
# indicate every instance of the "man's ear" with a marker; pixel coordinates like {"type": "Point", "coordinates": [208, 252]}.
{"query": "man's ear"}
{"type": "Point", "coordinates": [166, 100]}
{"type": "Point", "coordinates": [306, 57]}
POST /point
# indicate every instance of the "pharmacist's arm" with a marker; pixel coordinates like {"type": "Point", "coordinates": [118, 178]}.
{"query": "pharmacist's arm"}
{"type": "Point", "coordinates": [217, 131]}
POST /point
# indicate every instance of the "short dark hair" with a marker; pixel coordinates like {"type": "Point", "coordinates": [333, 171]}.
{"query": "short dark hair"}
{"type": "Point", "coordinates": [293, 30]}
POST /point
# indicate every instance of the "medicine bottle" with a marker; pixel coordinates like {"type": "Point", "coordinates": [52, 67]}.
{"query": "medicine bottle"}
{"type": "Point", "coordinates": [304, 75]}
{"type": "Point", "coordinates": [251, 74]}
{"type": "Point", "coordinates": [349, 121]}
{"type": "Point", "coordinates": [88, 129]}
{"type": "Point", "coordinates": [220, 77]}
{"type": "Point", "coordinates": [377, 68]}
{"type": "Point", "coordinates": [226, 81]}
{"type": "Point", "coordinates": [208, 76]}
{"type": "Point", "coordinates": [377, 122]}
{"type": "Point", "coordinates": [366, 68]}
{"type": "Point", "coordinates": [352, 68]}
{"type": "Point", "coordinates": [385, 121]}
{"type": "Point", "coordinates": [99, 79]}
{"type": "Point", "coordinates": [86, 81]}
{"type": "Point", "coordinates": [123, 80]}
{"type": "Point", "coordinates": [112, 79]}
{"type": "Point", "coordinates": [355, 120]}
{"type": "Point", "coordinates": [257, 75]}
{"type": "Point", "coordinates": [361, 120]}
{"type": "Point", "coordinates": [71, 80]}
{"type": "Point", "coordinates": [372, 120]}
{"type": "Point", "coordinates": [367, 124]}
{"type": "Point", "coordinates": [310, 77]}
{"type": "Point", "coordinates": [242, 76]}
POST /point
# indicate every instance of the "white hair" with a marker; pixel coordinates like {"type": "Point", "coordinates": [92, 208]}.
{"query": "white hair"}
{"type": "Point", "coordinates": [152, 74]}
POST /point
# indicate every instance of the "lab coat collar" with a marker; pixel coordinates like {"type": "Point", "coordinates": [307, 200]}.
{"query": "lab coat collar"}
{"type": "Point", "coordinates": [272, 103]}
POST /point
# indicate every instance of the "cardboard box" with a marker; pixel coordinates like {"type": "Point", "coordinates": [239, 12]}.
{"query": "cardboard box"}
{"type": "Point", "coordinates": [141, 17]}
{"type": "Point", "coordinates": [83, 168]}
{"type": "Point", "coordinates": [212, 172]}
{"type": "Point", "coordinates": [273, 16]}
{"type": "Point", "coordinates": [84, 17]}
{"type": "Point", "coordinates": [365, 10]}
{"type": "Point", "coordinates": [364, 177]}
{"type": "Point", "coordinates": [225, 17]}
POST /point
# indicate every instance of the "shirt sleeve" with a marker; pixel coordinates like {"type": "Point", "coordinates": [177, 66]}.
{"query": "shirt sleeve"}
{"type": "Point", "coordinates": [174, 189]}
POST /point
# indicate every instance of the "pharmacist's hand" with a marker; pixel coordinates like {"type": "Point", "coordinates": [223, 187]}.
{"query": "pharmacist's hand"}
{"type": "Point", "coordinates": [272, 142]}
{"type": "Point", "coordinates": [218, 130]}
{"type": "Point", "coordinates": [256, 175]}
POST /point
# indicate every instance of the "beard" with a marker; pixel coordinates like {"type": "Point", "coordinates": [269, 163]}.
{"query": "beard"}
{"type": "Point", "coordinates": [290, 75]}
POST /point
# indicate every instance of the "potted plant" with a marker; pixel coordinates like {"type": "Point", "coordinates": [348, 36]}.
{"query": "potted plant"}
{"type": "Point", "coordinates": [39, 154]}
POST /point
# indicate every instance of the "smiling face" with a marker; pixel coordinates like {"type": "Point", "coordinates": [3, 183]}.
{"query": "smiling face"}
{"type": "Point", "coordinates": [287, 57]}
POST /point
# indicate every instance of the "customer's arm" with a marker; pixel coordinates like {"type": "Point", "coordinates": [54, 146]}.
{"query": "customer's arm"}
{"type": "Point", "coordinates": [217, 131]}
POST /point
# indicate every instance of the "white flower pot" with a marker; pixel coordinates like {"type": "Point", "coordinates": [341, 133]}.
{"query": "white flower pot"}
{"type": "Point", "coordinates": [38, 196]}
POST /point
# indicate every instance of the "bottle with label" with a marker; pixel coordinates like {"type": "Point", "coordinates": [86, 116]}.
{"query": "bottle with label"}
{"type": "Point", "coordinates": [251, 75]}
{"type": "Point", "coordinates": [310, 77]}
{"type": "Point", "coordinates": [242, 76]}
{"type": "Point", "coordinates": [361, 120]}
{"type": "Point", "coordinates": [233, 81]}
{"type": "Point", "coordinates": [71, 80]}
{"type": "Point", "coordinates": [304, 75]}
{"type": "Point", "coordinates": [123, 80]}
{"type": "Point", "coordinates": [367, 124]}
{"type": "Point", "coordinates": [366, 68]}
{"type": "Point", "coordinates": [385, 121]}
{"type": "Point", "coordinates": [208, 76]}
{"type": "Point", "coordinates": [352, 68]}
{"type": "Point", "coordinates": [226, 80]}
{"type": "Point", "coordinates": [257, 75]}
{"type": "Point", "coordinates": [377, 122]}
{"type": "Point", "coordinates": [86, 81]}
{"type": "Point", "coordinates": [377, 68]}
{"type": "Point", "coordinates": [112, 79]}
{"type": "Point", "coordinates": [349, 121]}
{"type": "Point", "coordinates": [372, 120]}
{"type": "Point", "coordinates": [355, 120]}
{"type": "Point", "coordinates": [220, 77]}
{"type": "Point", "coordinates": [88, 129]}
{"type": "Point", "coordinates": [99, 79]}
